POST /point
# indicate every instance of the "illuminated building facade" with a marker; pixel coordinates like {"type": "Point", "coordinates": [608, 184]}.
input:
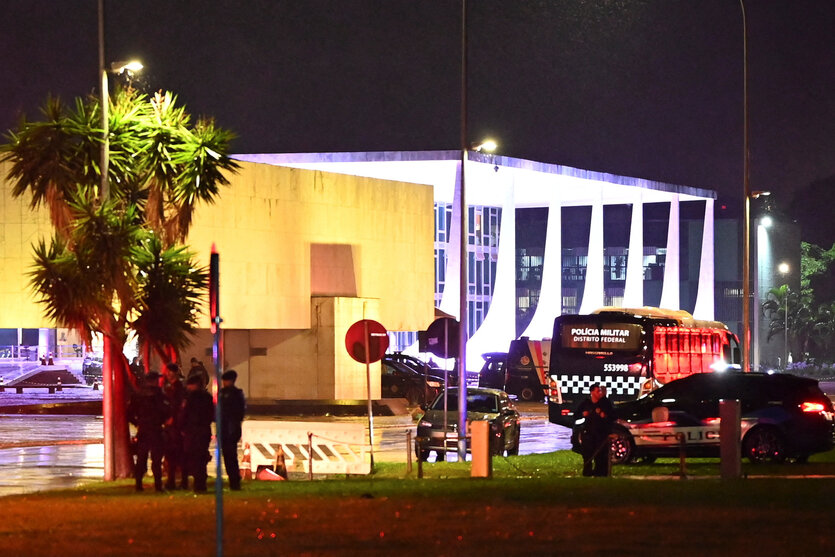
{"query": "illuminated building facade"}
{"type": "Point", "coordinates": [594, 249]}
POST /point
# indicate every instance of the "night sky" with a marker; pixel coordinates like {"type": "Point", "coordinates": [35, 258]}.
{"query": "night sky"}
{"type": "Point", "coordinates": [647, 88]}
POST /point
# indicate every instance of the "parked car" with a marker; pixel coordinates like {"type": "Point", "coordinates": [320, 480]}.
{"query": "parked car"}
{"type": "Point", "coordinates": [783, 417]}
{"type": "Point", "coordinates": [91, 368]}
{"type": "Point", "coordinates": [399, 380]}
{"type": "Point", "coordinates": [491, 405]}
{"type": "Point", "coordinates": [419, 366]}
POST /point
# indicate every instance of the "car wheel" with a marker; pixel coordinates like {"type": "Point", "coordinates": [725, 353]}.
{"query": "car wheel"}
{"type": "Point", "coordinates": [764, 444]}
{"type": "Point", "coordinates": [622, 448]}
{"type": "Point", "coordinates": [528, 394]}
{"type": "Point", "coordinates": [514, 450]}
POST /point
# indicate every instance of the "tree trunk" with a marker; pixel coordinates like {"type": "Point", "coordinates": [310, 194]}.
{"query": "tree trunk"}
{"type": "Point", "coordinates": [123, 460]}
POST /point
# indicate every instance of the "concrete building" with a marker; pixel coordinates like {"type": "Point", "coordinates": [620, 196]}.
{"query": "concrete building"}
{"type": "Point", "coordinates": [303, 255]}
{"type": "Point", "coordinates": [310, 243]}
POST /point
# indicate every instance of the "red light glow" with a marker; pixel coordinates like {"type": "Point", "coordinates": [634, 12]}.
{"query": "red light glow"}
{"type": "Point", "coordinates": [812, 407]}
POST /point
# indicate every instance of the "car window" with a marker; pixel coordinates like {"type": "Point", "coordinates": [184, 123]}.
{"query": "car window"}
{"type": "Point", "coordinates": [476, 402]}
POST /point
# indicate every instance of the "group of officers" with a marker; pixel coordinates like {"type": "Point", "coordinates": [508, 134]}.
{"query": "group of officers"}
{"type": "Point", "coordinates": [174, 423]}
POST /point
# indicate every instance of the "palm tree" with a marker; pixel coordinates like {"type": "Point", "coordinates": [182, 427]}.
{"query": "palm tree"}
{"type": "Point", "coordinates": [117, 265]}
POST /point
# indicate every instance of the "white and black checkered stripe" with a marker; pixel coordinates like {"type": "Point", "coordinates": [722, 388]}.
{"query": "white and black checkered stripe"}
{"type": "Point", "coordinates": [616, 385]}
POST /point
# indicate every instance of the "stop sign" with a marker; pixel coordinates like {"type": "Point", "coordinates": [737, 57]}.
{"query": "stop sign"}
{"type": "Point", "coordinates": [366, 338]}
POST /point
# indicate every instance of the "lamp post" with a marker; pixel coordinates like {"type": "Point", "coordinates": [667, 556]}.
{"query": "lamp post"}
{"type": "Point", "coordinates": [784, 269]}
{"type": "Point", "coordinates": [463, 282]}
{"type": "Point", "coordinates": [746, 218]}
{"type": "Point", "coordinates": [104, 193]}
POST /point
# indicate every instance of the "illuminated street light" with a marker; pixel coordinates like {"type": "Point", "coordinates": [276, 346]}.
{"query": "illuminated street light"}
{"type": "Point", "coordinates": [766, 221]}
{"type": "Point", "coordinates": [130, 67]}
{"type": "Point", "coordinates": [784, 269]}
{"type": "Point", "coordinates": [488, 146]}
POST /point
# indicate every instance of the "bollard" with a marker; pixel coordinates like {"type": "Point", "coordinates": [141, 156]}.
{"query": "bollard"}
{"type": "Point", "coordinates": [95, 385]}
{"type": "Point", "coordinates": [730, 429]}
{"type": "Point", "coordinates": [309, 456]}
{"type": "Point", "coordinates": [59, 388]}
{"type": "Point", "coordinates": [419, 460]}
{"type": "Point", "coordinates": [682, 455]}
{"type": "Point", "coordinates": [408, 451]}
{"type": "Point", "coordinates": [482, 463]}
{"type": "Point", "coordinates": [2, 385]}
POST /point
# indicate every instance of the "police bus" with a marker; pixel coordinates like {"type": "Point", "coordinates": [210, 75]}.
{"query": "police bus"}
{"type": "Point", "coordinates": [631, 352]}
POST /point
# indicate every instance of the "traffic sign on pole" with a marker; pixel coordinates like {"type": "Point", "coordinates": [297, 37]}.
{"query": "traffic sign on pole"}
{"type": "Point", "coordinates": [367, 342]}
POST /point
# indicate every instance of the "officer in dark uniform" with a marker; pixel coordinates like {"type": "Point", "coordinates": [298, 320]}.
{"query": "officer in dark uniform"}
{"type": "Point", "coordinates": [174, 391]}
{"type": "Point", "coordinates": [598, 414]}
{"type": "Point", "coordinates": [149, 411]}
{"type": "Point", "coordinates": [232, 407]}
{"type": "Point", "coordinates": [198, 415]}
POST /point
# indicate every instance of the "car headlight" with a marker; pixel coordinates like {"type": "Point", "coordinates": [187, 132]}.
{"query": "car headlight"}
{"type": "Point", "coordinates": [433, 384]}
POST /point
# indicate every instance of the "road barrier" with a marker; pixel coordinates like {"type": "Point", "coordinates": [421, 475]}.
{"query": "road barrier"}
{"type": "Point", "coordinates": [309, 447]}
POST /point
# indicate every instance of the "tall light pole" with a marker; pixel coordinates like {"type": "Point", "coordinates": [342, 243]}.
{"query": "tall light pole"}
{"type": "Point", "coordinates": [464, 282]}
{"type": "Point", "coordinates": [784, 269]}
{"type": "Point", "coordinates": [746, 219]}
{"type": "Point", "coordinates": [104, 193]}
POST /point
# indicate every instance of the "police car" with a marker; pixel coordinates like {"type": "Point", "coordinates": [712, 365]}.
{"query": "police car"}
{"type": "Point", "coordinates": [783, 417]}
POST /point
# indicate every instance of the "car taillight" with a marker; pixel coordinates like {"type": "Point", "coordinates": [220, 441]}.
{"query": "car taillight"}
{"type": "Point", "coordinates": [565, 411]}
{"type": "Point", "coordinates": [812, 407]}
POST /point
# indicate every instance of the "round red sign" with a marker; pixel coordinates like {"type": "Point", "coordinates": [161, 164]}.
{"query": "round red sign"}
{"type": "Point", "coordinates": [366, 339]}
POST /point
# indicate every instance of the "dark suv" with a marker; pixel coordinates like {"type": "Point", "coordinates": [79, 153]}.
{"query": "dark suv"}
{"type": "Point", "coordinates": [783, 416]}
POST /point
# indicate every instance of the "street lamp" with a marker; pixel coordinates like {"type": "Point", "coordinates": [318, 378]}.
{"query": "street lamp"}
{"type": "Point", "coordinates": [463, 283]}
{"type": "Point", "coordinates": [746, 219]}
{"type": "Point", "coordinates": [784, 269]}
{"type": "Point", "coordinates": [488, 146]}
{"type": "Point", "coordinates": [108, 383]}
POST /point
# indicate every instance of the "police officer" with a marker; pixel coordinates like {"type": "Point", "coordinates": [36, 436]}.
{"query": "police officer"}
{"type": "Point", "coordinates": [197, 417]}
{"type": "Point", "coordinates": [232, 407]}
{"type": "Point", "coordinates": [175, 393]}
{"type": "Point", "coordinates": [149, 410]}
{"type": "Point", "coordinates": [598, 414]}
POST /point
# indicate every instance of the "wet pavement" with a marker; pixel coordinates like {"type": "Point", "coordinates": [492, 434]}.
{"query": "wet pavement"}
{"type": "Point", "coordinates": [40, 452]}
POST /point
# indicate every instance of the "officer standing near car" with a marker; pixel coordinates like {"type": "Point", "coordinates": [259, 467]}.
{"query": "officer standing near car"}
{"type": "Point", "coordinates": [198, 415]}
{"type": "Point", "coordinates": [149, 411]}
{"type": "Point", "coordinates": [232, 407]}
{"type": "Point", "coordinates": [598, 415]}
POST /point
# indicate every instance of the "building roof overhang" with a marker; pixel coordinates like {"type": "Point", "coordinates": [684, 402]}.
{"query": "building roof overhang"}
{"type": "Point", "coordinates": [535, 184]}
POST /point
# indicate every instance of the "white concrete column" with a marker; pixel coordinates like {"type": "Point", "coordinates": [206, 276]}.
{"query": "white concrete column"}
{"type": "Point", "coordinates": [670, 297]}
{"type": "Point", "coordinates": [450, 296]}
{"type": "Point", "coordinates": [499, 325]}
{"type": "Point", "coordinates": [705, 295]}
{"type": "Point", "coordinates": [549, 306]}
{"type": "Point", "coordinates": [633, 291]}
{"type": "Point", "coordinates": [593, 291]}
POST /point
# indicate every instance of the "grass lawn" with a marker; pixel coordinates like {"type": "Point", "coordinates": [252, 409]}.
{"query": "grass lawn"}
{"type": "Point", "coordinates": [534, 505]}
